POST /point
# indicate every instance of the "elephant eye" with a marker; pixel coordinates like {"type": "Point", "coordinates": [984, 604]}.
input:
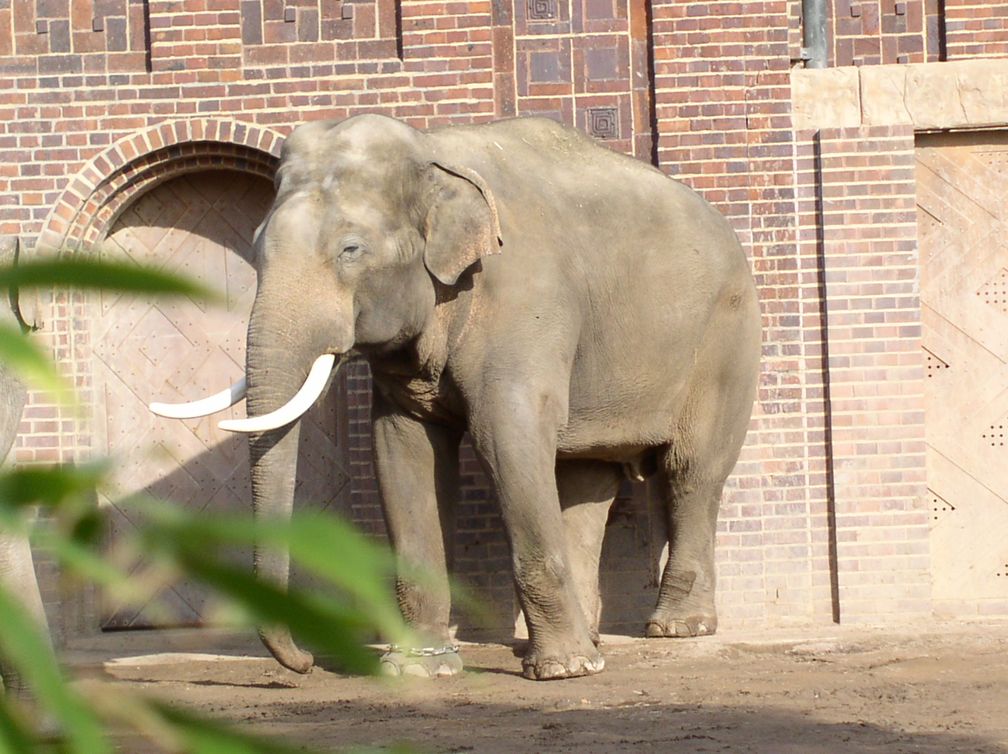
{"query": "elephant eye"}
{"type": "Point", "coordinates": [351, 249]}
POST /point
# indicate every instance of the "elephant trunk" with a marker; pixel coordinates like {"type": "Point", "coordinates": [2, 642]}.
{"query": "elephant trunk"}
{"type": "Point", "coordinates": [273, 465]}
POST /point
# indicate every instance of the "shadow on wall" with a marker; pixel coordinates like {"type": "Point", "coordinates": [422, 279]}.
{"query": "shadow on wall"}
{"type": "Point", "coordinates": [216, 482]}
{"type": "Point", "coordinates": [627, 577]}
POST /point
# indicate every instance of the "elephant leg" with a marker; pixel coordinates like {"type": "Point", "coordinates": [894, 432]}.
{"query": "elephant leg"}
{"type": "Point", "coordinates": [587, 490]}
{"type": "Point", "coordinates": [695, 467]}
{"type": "Point", "coordinates": [515, 435]}
{"type": "Point", "coordinates": [17, 576]}
{"type": "Point", "coordinates": [686, 595]}
{"type": "Point", "coordinates": [417, 469]}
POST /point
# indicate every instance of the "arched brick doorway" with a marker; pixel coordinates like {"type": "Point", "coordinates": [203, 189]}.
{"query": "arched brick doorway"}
{"type": "Point", "coordinates": [199, 224]}
{"type": "Point", "coordinates": [184, 196]}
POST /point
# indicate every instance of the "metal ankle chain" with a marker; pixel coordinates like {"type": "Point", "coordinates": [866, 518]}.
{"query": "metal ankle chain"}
{"type": "Point", "coordinates": [425, 651]}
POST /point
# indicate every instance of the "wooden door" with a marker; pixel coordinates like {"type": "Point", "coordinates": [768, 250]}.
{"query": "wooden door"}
{"type": "Point", "coordinates": [177, 349]}
{"type": "Point", "coordinates": [962, 197]}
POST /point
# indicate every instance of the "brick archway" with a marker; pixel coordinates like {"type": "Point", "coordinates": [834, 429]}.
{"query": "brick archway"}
{"type": "Point", "coordinates": [87, 209]}
{"type": "Point", "coordinates": [96, 196]}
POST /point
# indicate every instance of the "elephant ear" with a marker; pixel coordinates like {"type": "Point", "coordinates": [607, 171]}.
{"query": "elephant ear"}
{"type": "Point", "coordinates": [461, 225]}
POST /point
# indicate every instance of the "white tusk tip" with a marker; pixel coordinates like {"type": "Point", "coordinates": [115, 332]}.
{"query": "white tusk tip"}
{"type": "Point", "coordinates": [314, 385]}
{"type": "Point", "coordinates": [204, 407]}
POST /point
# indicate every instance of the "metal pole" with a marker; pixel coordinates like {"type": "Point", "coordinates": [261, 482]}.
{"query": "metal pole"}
{"type": "Point", "coordinates": [814, 33]}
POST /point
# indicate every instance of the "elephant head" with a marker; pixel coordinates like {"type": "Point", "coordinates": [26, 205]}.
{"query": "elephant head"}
{"type": "Point", "coordinates": [370, 218]}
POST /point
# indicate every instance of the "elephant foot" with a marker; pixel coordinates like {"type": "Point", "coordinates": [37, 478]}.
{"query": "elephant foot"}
{"type": "Point", "coordinates": [45, 726]}
{"type": "Point", "coordinates": [538, 666]}
{"type": "Point", "coordinates": [48, 729]}
{"type": "Point", "coordinates": [428, 662]}
{"type": "Point", "coordinates": [665, 626]}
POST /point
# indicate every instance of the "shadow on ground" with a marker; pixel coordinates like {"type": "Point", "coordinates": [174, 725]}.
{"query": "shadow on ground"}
{"type": "Point", "coordinates": [813, 690]}
{"type": "Point", "coordinates": [645, 726]}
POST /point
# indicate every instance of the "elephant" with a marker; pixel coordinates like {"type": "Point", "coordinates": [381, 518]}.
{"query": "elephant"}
{"type": "Point", "coordinates": [17, 570]}
{"type": "Point", "coordinates": [580, 314]}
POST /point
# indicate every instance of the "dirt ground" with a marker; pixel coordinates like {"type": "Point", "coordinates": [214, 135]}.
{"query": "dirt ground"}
{"type": "Point", "coordinates": [942, 688]}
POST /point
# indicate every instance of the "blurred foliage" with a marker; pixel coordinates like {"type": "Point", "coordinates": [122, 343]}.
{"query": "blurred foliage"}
{"type": "Point", "coordinates": [87, 716]}
{"type": "Point", "coordinates": [92, 273]}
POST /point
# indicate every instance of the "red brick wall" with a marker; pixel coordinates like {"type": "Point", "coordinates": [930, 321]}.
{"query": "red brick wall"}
{"type": "Point", "coordinates": [586, 63]}
{"type": "Point", "coordinates": [98, 101]}
{"type": "Point", "coordinates": [870, 32]}
{"type": "Point", "coordinates": [975, 30]}
{"type": "Point", "coordinates": [722, 86]}
{"type": "Point", "coordinates": [873, 32]}
{"type": "Point", "coordinates": [858, 214]}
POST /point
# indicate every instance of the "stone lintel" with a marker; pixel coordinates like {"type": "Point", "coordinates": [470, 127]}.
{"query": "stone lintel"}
{"type": "Point", "coordinates": [927, 96]}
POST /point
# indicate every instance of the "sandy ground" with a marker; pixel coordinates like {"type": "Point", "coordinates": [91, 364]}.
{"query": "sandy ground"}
{"type": "Point", "coordinates": [943, 688]}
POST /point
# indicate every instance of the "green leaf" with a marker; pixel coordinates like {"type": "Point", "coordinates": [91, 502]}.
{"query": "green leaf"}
{"type": "Point", "coordinates": [74, 536]}
{"type": "Point", "coordinates": [321, 544]}
{"type": "Point", "coordinates": [23, 647]}
{"type": "Point", "coordinates": [14, 738]}
{"type": "Point", "coordinates": [333, 550]}
{"type": "Point", "coordinates": [82, 562]}
{"type": "Point", "coordinates": [51, 486]}
{"type": "Point", "coordinates": [78, 271]}
{"type": "Point", "coordinates": [31, 364]}
{"type": "Point", "coordinates": [319, 621]}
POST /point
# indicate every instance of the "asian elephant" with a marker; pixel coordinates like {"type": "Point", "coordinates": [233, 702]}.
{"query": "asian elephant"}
{"type": "Point", "coordinates": [17, 570]}
{"type": "Point", "coordinates": [579, 313]}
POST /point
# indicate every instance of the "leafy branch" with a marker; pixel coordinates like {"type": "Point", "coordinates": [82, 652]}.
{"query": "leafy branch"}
{"type": "Point", "coordinates": [81, 716]}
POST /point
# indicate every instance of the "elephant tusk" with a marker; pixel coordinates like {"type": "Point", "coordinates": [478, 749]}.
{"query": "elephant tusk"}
{"type": "Point", "coordinates": [310, 391]}
{"type": "Point", "coordinates": [204, 407]}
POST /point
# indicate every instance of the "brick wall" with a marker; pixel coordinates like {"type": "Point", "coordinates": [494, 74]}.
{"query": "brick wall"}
{"type": "Point", "coordinates": [723, 114]}
{"type": "Point", "coordinates": [975, 30]}
{"type": "Point", "coordinates": [878, 31]}
{"type": "Point", "coordinates": [874, 32]}
{"type": "Point", "coordinates": [858, 192]}
{"type": "Point", "coordinates": [99, 101]}
{"type": "Point", "coordinates": [858, 212]}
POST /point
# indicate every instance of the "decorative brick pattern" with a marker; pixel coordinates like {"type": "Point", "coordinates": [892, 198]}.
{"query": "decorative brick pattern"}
{"type": "Point", "coordinates": [315, 32]}
{"type": "Point", "coordinates": [870, 32]}
{"type": "Point", "coordinates": [81, 216]}
{"type": "Point", "coordinates": [589, 57]}
{"type": "Point", "coordinates": [541, 10]}
{"type": "Point", "coordinates": [603, 122]}
{"type": "Point", "coordinates": [59, 37]}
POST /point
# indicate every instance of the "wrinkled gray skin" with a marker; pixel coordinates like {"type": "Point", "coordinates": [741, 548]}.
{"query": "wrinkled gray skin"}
{"type": "Point", "coordinates": [579, 313]}
{"type": "Point", "coordinates": [17, 572]}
